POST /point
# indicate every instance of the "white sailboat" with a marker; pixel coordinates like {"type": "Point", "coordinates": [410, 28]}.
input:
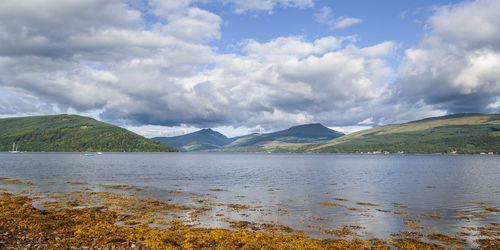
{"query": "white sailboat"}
{"type": "Point", "coordinates": [14, 148]}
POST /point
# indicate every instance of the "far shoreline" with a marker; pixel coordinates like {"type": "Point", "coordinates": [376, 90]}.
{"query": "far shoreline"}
{"type": "Point", "coordinates": [263, 153]}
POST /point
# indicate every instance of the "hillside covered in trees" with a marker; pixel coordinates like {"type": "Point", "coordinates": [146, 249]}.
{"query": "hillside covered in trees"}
{"type": "Point", "coordinates": [71, 133]}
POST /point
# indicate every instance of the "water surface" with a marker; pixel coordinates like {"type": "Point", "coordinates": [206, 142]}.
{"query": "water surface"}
{"type": "Point", "coordinates": [288, 187]}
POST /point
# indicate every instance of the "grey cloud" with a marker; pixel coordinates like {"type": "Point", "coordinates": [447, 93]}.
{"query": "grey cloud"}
{"type": "Point", "coordinates": [456, 67]}
{"type": "Point", "coordinates": [55, 81]}
{"type": "Point", "coordinates": [44, 27]}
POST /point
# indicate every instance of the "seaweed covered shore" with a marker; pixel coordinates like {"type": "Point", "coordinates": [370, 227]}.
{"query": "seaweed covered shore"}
{"type": "Point", "coordinates": [85, 219]}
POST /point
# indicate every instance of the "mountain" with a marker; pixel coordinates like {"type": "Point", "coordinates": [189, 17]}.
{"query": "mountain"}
{"type": "Point", "coordinates": [284, 140]}
{"type": "Point", "coordinates": [71, 133]}
{"type": "Point", "coordinates": [287, 140]}
{"type": "Point", "coordinates": [205, 139]}
{"type": "Point", "coordinates": [281, 141]}
{"type": "Point", "coordinates": [459, 133]}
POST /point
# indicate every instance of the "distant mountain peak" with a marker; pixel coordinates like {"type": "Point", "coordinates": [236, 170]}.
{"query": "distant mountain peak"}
{"type": "Point", "coordinates": [313, 129]}
{"type": "Point", "coordinates": [310, 125]}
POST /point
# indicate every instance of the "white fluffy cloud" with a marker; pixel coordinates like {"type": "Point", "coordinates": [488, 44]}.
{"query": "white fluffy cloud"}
{"type": "Point", "coordinates": [457, 66]}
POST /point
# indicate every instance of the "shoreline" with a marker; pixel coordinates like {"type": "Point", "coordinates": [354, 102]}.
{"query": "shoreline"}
{"type": "Point", "coordinates": [120, 218]}
{"type": "Point", "coordinates": [238, 152]}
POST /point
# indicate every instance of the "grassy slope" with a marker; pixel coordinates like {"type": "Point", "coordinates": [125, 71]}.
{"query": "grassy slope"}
{"type": "Point", "coordinates": [70, 133]}
{"type": "Point", "coordinates": [464, 133]}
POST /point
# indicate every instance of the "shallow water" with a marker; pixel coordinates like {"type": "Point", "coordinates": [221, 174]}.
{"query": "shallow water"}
{"type": "Point", "coordinates": [286, 188]}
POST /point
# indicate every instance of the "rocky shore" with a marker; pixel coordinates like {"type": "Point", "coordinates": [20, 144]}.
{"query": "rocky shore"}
{"type": "Point", "coordinates": [85, 219]}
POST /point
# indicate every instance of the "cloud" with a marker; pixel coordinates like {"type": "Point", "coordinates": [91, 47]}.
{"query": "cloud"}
{"type": "Point", "coordinates": [350, 129]}
{"type": "Point", "coordinates": [170, 10]}
{"type": "Point", "coordinates": [474, 24]}
{"type": "Point", "coordinates": [367, 121]}
{"type": "Point", "coordinates": [169, 75]}
{"type": "Point", "coordinates": [325, 15]}
{"type": "Point", "coordinates": [494, 105]}
{"type": "Point", "coordinates": [133, 70]}
{"type": "Point", "coordinates": [385, 49]}
{"type": "Point", "coordinates": [17, 103]}
{"type": "Point", "coordinates": [456, 66]}
{"type": "Point", "coordinates": [344, 22]}
{"type": "Point", "coordinates": [283, 48]}
{"type": "Point", "coordinates": [198, 25]}
{"type": "Point", "coordinates": [45, 27]}
{"type": "Point", "coordinates": [13, 105]}
{"type": "Point", "coordinates": [241, 6]}
{"type": "Point", "coordinates": [78, 58]}
{"type": "Point", "coordinates": [310, 78]}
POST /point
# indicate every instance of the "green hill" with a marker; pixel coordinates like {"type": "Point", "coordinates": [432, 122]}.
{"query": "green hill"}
{"type": "Point", "coordinates": [205, 139]}
{"type": "Point", "coordinates": [463, 133]}
{"type": "Point", "coordinates": [71, 133]}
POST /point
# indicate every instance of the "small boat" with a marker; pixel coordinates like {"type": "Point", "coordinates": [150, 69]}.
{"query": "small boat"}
{"type": "Point", "coordinates": [89, 154]}
{"type": "Point", "coordinates": [14, 149]}
{"type": "Point", "coordinates": [99, 153]}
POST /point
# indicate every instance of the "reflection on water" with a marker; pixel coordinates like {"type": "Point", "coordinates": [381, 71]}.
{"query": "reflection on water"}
{"type": "Point", "coordinates": [375, 195]}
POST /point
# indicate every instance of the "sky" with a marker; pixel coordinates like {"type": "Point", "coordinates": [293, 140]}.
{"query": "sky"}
{"type": "Point", "coordinates": [165, 68]}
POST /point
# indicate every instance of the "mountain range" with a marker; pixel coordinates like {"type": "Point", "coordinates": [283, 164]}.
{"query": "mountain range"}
{"type": "Point", "coordinates": [284, 140]}
{"type": "Point", "coordinates": [458, 133]}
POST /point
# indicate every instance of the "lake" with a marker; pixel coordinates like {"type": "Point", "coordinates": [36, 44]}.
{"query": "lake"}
{"type": "Point", "coordinates": [375, 195]}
